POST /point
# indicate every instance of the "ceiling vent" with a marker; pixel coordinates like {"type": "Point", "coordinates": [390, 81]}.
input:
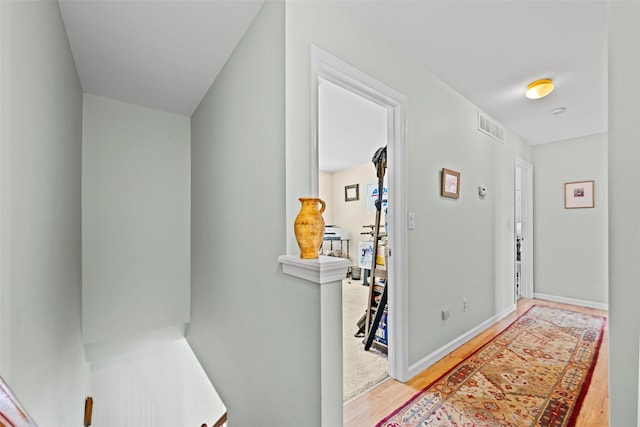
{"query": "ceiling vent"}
{"type": "Point", "coordinates": [491, 128]}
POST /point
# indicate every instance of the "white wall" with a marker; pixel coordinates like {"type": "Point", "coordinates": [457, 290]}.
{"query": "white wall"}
{"type": "Point", "coordinates": [325, 192]}
{"type": "Point", "coordinates": [351, 216]}
{"type": "Point", "coordinates": [624, 210]}
{"type": "Point", "coordinates": [40, 340]}
{"type": "Point", "coordinates": [136, 220]}
{"type": "Point", "coordinates": [255, 330]}
{"type": "Point", "coordinates": [160, 386]}
{"type": "Point", "coordinates": [460, 248]}
{"type": "Point", "coordinates": [570, 252]}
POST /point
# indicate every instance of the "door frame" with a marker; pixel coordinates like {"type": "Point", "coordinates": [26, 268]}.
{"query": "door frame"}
{"type": "Point", "coordinates": [526, 266]}
{"type": "Point", "coordinates": [326, 66]}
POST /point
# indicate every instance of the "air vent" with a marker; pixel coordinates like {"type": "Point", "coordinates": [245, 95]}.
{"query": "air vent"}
{"type": "Point", "coordinates": [488, 126]}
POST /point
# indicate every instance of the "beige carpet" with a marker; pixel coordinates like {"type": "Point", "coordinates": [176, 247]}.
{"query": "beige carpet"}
{"type": "Point", "coordinates": [362, 369]}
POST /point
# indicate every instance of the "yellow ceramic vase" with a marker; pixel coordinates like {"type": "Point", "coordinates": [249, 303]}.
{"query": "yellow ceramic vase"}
{"type": "Point", "coordinates": [309, 227]}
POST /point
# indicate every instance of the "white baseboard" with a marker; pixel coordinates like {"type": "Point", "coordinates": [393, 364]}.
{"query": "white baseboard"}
{"type": "Point", "coordinates": [432, 358]}
{"type": "Point", "coordinates": [574, 301]}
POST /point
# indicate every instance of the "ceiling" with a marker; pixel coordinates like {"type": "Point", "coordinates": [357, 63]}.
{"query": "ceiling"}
{"type": "Point", "coordinates": [489, 51]}
{"type": "Point", "coordinates": [350, 128]}
{"type": "Point", "coordinates": [162, 54]}
{"type": "Point", "coordinates": [165, 54]}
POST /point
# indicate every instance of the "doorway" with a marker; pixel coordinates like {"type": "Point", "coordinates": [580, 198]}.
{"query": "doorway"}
{"type": "Point", "coordinates": [351, 129]}
{"type": "Point", "coordinates": [523, 230]}
{"type": "Point", "coordinates": [327, 67]}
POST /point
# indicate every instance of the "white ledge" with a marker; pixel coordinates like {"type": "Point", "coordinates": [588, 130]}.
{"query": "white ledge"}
{"type": "Point", "coordinates": [324, 269]}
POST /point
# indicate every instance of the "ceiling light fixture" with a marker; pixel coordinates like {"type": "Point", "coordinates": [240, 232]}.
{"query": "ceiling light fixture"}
{"type": "Point", "coordinates": [539, 89]}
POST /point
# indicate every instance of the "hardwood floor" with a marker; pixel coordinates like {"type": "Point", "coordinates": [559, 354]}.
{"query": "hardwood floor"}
{"type": "Point", "coordinates": [371, 407]}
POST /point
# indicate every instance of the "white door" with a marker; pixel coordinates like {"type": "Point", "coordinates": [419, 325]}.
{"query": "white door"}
{"type": "Point", "coordinates": [523, 230]}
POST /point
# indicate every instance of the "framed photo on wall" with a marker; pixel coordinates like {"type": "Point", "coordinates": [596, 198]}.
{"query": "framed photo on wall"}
{"type": "Point", "coordinates": [352, 193]}
{"type": "Point", "coordinates": [450, 184]}
{"type": "Point", "coordinates": [579, 195]}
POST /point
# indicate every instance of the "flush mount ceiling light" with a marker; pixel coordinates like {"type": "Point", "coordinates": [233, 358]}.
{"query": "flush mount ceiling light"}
{"type": "Point", "coordinates": [539, 89]}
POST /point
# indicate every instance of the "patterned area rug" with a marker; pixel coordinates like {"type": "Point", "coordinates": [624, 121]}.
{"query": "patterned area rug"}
{"type": "Point", "coordinates": [535, 373]}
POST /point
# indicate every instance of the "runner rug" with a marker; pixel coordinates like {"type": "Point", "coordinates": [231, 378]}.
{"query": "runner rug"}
{"type": "Point", "coordinates": [535, 373]}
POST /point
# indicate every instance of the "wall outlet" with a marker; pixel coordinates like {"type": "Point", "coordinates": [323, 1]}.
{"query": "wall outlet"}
{"type": "Point", "coordinates": [464, 304]}
{"type": "Point", "coordinates": [445, 313]}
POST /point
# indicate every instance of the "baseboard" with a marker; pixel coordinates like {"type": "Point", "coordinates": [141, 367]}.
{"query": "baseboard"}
{"type": "Point", "coordinates": [143, 341]}
{"type": "Point", "coordinates": [574, 301]}
{"type": "Point", "coordinates": [432, 358]}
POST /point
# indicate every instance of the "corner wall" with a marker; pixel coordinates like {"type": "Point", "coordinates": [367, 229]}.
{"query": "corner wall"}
{"type": "Point", "coordinates": [40, 340]}
{"type": "Point", "coordinates": [624, 210]}
{"type": "Point", "coordinates": [570, 252]}
{"type": "Point", "coordinates": [135, 221]}
{"type": "Point", "coordinates": [255, 330]}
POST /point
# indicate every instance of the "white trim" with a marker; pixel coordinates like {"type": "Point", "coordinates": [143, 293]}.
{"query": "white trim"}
{"type": "Point", "coordinates": [526, 290]}
{"type": "Point", "coordinates": [324, 269]}
{"type": "Point", "coordinates": [432, 358]}
{"type": "Point", "coordinates": [327, 272]}
{"type": "Point", "coordinates": [101, 350]}
{"type": "Point", "coordinates": [325, 65]}
{"type": "Point", "coordinates": [573, 301]}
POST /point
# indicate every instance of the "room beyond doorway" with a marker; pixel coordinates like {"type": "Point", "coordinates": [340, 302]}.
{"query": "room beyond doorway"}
{"type": "Point", "coordinates": [326, 66]}
{"type": "Point", "coordinates": [350, 130]}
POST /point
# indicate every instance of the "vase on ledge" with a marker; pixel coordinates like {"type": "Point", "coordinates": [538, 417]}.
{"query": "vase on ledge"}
{"type": "Point", "coordinates": [309, 227]}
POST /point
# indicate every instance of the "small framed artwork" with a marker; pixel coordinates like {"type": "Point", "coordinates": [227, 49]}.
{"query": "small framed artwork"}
{"type": "Point", "coordinates": [450, 184]}
{"type": "Point", "coordinates": [578, 194]}
{"type": "Point", "coordinates": [352, 192]}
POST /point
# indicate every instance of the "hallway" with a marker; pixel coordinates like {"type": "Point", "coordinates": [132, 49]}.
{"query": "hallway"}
{"type": "Point", "coordinates": [373, 406]}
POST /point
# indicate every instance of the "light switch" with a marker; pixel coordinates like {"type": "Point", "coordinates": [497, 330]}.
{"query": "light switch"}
{"type": "Point", "coordinates": [412, 220]}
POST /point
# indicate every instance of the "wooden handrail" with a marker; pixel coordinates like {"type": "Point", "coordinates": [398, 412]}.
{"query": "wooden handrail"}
{"type": "Point", "coordinates": [221, 421]}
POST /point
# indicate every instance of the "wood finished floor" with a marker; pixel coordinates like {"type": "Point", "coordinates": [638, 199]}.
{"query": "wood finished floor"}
{"type": "Point", "coordinates": [373, 406]}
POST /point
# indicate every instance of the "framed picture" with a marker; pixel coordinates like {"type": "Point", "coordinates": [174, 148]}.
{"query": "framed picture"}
{"type": "Point", "coordinates": [352, 192]}
{"type": "Point", "coordinates": [578, 195]}
{"type": "Point", "coordinates": [450, 183]}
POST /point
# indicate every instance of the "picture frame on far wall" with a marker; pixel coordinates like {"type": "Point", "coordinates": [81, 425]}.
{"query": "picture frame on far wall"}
{"type": "Point", "coordinates": [579, 194]}
{"type": "Point", "coordinates": [450, 184]}
{"type": "Point", "coordinates": [352, 192]}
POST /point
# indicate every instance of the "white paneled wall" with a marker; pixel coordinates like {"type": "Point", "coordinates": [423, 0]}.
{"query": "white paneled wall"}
{"type": "Point", "coordinates": [161, 386]}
